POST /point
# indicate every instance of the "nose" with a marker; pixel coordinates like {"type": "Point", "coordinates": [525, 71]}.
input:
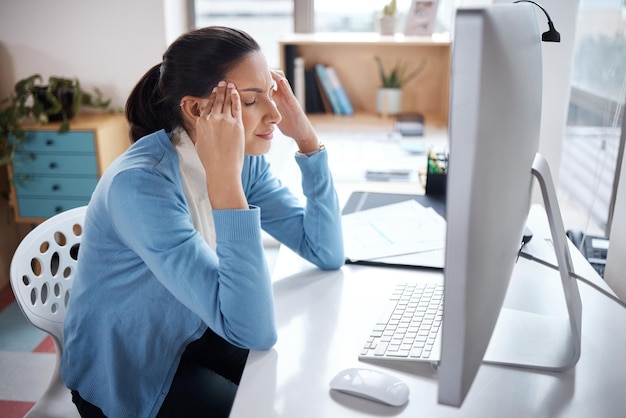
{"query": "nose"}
{"type": "Point", "coordinates": [272, 115]}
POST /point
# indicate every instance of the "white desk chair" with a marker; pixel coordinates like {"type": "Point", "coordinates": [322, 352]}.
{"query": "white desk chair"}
{"type": "Point", "coordinates": [42, 273]}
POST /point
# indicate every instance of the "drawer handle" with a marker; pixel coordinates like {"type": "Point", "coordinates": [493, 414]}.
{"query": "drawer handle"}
{"type": "Point", "coordinates": [58, 209]}
{"type": "Point", "coordinates": [55, 187]}
{"type": "Point", "coordinates": [53, 165]}
{"type": "Point", "coordinates": [49, 142]}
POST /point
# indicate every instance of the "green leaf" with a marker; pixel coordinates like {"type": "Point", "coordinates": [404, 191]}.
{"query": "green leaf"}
{"type": "Point", "coordinates": [396, 78]}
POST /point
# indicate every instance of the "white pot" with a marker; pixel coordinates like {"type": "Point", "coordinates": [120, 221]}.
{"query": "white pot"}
{"type": "Point", "coordinates": [386, 25]}
{"type": "Point", "coordinates": [388, 101]}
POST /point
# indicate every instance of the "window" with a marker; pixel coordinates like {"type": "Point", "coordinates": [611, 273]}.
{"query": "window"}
{"type": "Point", "coordinates": [265, 20]}
{"type": "Point", "coordinates": [592, 134]}
{"type": "Point", "coordinates": [360, 15]}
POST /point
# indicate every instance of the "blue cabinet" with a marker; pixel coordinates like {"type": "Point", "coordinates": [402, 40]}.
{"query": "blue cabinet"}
{"type": "Point", "coordinates": [53, 172]}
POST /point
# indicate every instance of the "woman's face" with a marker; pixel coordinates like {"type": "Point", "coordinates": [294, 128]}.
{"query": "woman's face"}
{"type": "Point", "coordinates": [255, 85]}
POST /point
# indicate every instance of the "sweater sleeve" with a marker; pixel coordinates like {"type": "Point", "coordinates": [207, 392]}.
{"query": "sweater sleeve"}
{"type": "Point", "coordinates": [230, 290]}
{"type": "Point", "coordinates": [314, 230]}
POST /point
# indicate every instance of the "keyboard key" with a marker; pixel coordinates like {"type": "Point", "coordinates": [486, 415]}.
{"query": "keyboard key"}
{"type": "Point", "coordinates": [408, 325]}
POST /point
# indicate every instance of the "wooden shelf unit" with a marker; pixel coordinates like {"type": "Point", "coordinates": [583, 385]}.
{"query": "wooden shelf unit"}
{"type": "Point", "coordinates": [53, 172]}
{"type": "Point", "coordinates": [352, 56]}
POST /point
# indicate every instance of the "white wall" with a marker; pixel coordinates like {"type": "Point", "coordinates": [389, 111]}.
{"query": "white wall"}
{"type": "Point", "coordinates": [107, 44]}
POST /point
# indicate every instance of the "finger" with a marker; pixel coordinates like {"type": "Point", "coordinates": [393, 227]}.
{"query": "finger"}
{"type": "Point", "coordinates": [218, 105]}
{"type": "Point", "coordinates": [228, 100]}
{"type": "Point", "coordinates": [236, 104]}
{"type": "Point", "coordinates": [279, 73]}
{"type": "Point", "coordinates": [282, 84]}
{"type": "Point", "coordinates": [278, 76]}
{"type": "Point", "coordinates": [204, 112]}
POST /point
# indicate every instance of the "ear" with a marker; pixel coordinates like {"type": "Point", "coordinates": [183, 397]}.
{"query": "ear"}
{"type": "Point", "coordinates": [191, 107]}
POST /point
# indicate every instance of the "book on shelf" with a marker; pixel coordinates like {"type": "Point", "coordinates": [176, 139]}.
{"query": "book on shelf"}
{"type": "Point", "coordinates": [290, 55]}
{"type": "Point", "coordinates": [326, 107]}
{"type": "Point", "coordinates": [299, 88]}
{"type": "Point", "coordinates": [327, 88]}
{"type": "Point", "coordinates": [320, 89]}
{"type": "Point", "coordinates": [312, 94]}
{"type": "Point", "coordinates": [340, 93]}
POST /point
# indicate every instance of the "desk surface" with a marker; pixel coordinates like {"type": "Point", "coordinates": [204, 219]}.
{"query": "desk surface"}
{"type": "Point", "coordinates": [357, 145]}
{"type": "Point", "coordinates": [324, 317]}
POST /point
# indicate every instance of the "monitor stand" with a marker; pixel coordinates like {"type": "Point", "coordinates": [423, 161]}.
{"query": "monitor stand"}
{"type": "Point", "coordinates": [535, 341]}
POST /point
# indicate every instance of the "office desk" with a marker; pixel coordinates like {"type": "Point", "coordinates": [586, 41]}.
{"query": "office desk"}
{"type": "Point", "coordinates": [323, 318]}
{"type": "Point", "coordinates": [358, 144]}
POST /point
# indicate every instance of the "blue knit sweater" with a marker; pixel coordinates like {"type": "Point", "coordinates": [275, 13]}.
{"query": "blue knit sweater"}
{"type": "Point", "coordinates": [147, 284]}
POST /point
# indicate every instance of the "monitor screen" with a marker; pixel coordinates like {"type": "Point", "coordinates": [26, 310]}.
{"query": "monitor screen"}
{"type": "Point", "coordinates": [495, 117]}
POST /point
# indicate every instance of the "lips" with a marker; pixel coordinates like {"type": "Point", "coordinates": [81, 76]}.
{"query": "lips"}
{"type": "Point", "coordinates": [266, 135]}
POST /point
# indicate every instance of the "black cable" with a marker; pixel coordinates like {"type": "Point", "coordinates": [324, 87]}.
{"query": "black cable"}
{"type": "Point", "coordinates": [551, 35]}
{"type": "Point", "coordinates": [576, 276]}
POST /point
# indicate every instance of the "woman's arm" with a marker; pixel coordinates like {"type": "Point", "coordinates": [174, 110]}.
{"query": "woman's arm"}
{"type": "Point", "coordinates": [229, 290]}
{"type": "Point", "coordinates": [314, 230]}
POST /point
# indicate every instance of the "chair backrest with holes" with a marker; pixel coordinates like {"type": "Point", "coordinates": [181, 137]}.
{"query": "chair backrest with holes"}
{"type": "Point", "coordinates": [42, 270]}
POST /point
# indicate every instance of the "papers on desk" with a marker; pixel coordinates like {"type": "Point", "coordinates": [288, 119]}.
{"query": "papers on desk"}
{"type": "Point", "coordinates": [404, 231]}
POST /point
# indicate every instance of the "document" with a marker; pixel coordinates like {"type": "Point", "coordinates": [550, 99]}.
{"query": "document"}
{"type": "Point", "coordinates": [393, 230]}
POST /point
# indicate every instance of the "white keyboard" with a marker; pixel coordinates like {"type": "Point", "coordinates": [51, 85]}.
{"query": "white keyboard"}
{"type": "Point", "coordinates": [408, 328]}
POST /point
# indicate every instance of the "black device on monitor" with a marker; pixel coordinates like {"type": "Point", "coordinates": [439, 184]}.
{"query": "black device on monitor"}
{"type": "Point", "coordinates": [495, 117]}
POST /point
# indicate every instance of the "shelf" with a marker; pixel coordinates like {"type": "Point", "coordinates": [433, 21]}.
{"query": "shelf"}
{"type": "Point", "coordinates": [369, 38]}
{"type": "Point", "coordinates": [352, 56]}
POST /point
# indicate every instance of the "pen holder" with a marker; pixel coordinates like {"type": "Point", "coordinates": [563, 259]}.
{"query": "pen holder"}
{"type": "Point", "coordinates": [436, 173]}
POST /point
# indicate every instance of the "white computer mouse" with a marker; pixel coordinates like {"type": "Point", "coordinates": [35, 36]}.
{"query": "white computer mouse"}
{"type": "Point", "coordinates": [371, 384]}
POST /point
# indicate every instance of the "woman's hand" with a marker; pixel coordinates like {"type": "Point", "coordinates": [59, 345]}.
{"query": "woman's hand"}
{"type": "Point", "coordinates": [220, 145]}
{"type": "Point", "coordinates": [294, 123]}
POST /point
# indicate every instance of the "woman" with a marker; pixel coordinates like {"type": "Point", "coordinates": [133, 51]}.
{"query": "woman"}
{"type": "Point", "coordinates": [172, 287]}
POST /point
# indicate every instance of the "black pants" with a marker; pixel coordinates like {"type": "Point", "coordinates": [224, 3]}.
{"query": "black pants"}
{"type": "Point", "coordinates": [205, 383]}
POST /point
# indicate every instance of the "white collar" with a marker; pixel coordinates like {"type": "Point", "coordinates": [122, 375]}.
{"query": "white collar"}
{"type": "Point", "coordinates": [194, 185]}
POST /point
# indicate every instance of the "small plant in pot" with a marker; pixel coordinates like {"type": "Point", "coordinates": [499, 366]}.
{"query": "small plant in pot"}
{"type": "Point", "coordinates": [389, 94]}
{"type": "Point", "coordinates": [387, 19]}
{"type": "Point", "coordinates": [31, 100]}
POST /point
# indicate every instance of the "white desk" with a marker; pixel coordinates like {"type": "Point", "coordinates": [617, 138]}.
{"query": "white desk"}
{"type": "Point", "coordinates": [358, 144]}
{"type": "Point", "coordinates": [323, 318]}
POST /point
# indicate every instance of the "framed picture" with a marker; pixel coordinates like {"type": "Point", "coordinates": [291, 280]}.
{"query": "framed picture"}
{"type": "Point", "coordinates": [420, 20]}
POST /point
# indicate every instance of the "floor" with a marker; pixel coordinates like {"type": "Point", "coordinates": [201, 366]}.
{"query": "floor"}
{"type": "Point", "coordinates": [26, 359]}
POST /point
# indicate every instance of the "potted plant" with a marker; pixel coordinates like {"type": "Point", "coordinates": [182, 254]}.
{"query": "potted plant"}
{"type": "Point", "coordinates": [31, 100]}
{"type": "Point", "coordinates": [389, 94]}
{"type": "Point", "coordinates": [387, 19]}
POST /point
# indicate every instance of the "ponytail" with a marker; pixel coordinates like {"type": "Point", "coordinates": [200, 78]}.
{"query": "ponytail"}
{"type": "Point", "coordinates": [146, 107]}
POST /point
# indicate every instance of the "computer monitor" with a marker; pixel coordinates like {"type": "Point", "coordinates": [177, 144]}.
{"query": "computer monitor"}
{"type": "Point", "coordinates": [495, 117]}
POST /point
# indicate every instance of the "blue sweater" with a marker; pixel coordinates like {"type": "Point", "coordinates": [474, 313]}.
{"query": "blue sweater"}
{"type": "Point", "coordinates": [147, 284]}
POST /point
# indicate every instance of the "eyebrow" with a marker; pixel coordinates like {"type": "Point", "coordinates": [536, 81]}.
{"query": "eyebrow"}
{"type": "Point", "coordinates": [258, 89]}
{"type": "Point", "coordinates": [254, 89]}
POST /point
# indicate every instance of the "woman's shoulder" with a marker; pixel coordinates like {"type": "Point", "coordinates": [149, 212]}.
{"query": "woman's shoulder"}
{"type": "Point", "coordinates": [152, 159]}
{"type": "Point", "coordinates": [154, 151]}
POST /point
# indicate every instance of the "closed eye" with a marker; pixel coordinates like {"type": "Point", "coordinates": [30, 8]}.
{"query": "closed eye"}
{"type": "Point", "coordinates": [270, 94]}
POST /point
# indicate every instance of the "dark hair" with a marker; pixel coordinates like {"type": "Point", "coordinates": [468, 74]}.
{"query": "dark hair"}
{"type": "Point", "coordinates": [192, 65]}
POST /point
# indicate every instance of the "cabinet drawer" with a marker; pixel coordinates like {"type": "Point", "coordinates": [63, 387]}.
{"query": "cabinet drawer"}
{"type": "Point", "coordinates": [53, 187]}
{"type": "Point", "coordinates": [55, 164]}
{"type": "Point", "coordinates": [52, 141]}
{"type": "Point", "coordinates": [45, 208]}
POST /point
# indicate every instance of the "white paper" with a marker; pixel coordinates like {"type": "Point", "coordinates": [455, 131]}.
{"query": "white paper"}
{"type": "Point", "coordinates": [392, 230]}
